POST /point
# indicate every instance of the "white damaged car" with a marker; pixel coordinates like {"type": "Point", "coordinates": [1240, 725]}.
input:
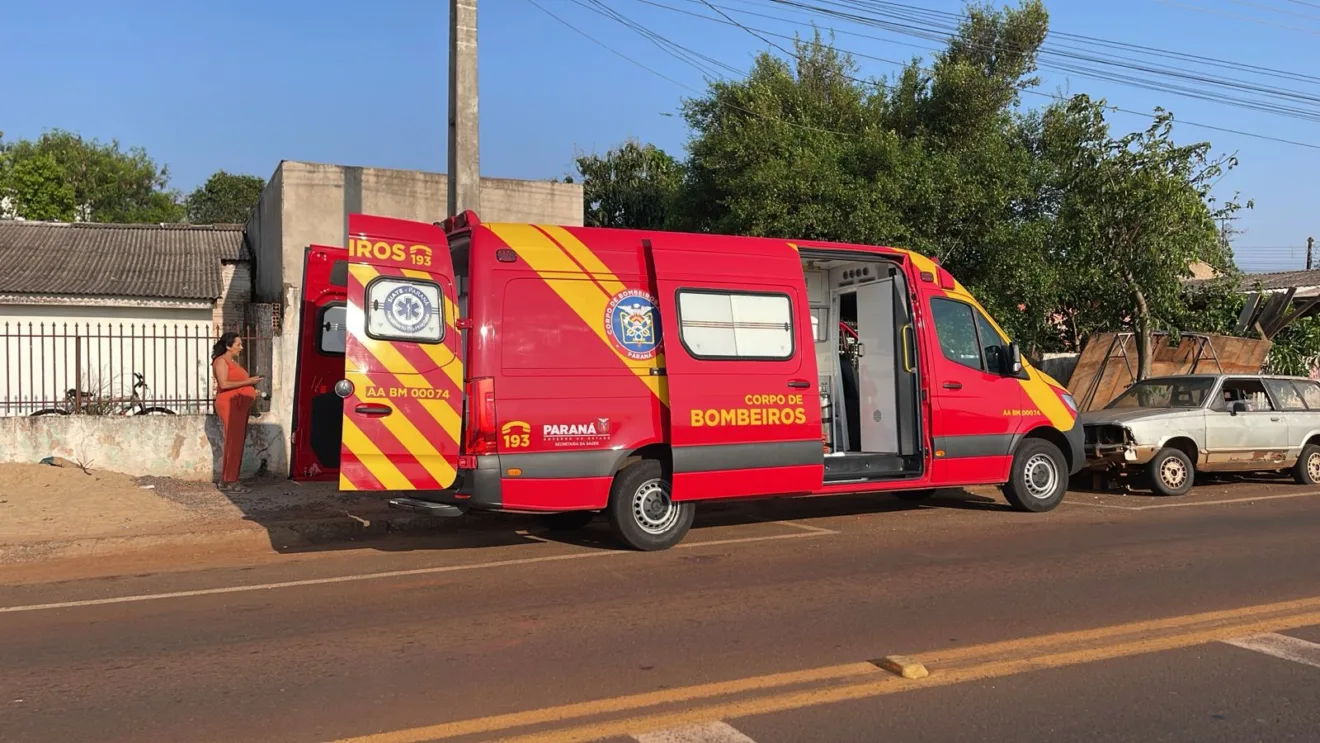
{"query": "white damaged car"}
{"type": "Point", "coordinates": [1167, 429]}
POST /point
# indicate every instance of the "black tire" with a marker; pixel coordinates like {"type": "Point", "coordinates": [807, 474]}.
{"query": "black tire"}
{"type": "Point", "coordinates": [915, 495]}
{"type": "Point", "coordinates": [567, 520]}
{"type": "Point", "coordinates": [1171, 472]}
{"type": "Point", "coordinates": [1039, 478]}
{"type": "Point", "coordinates": [657, 523]}
{"type": "Point", "coordinates": [48, 411]}
{"type": "Point", "coordinates": [1305, 472]}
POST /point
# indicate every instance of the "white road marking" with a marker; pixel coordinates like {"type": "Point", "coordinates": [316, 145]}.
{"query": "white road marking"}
{"type": "Point", "coordinates": [805, 527]}
{"type": "Point", "coordinates": [1281, 646]}
{"type": "Point", "coordinates": [1195, 504]}
{"type": "Point", "coordinates": [383, 575]}
{"type": "Point", "coordinates": [710, 732]}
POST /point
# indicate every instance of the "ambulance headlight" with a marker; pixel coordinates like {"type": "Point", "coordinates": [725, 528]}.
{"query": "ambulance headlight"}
{"type": "Point", "coordinates": [343, 388]}
{"type": "Point", "coordinates": [1070, 402]}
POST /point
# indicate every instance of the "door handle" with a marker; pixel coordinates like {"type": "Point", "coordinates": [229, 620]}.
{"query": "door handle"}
{"type": "Point", "coordinates": [953, 385]}
{"type": "Point", "coordinates": [373, 411]}
{"type": "Point", "coordinates": [1275, 419]}
{"type": "Point", "coordinates": [799, 384]}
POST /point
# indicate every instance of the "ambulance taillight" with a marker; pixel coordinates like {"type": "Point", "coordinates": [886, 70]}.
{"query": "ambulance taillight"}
{"type": "Point", "coordinates": [481, 436]}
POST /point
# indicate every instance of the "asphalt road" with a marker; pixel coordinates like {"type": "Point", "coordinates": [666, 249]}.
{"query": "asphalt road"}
{"type": "Point", "coordinates": [1109, 619]}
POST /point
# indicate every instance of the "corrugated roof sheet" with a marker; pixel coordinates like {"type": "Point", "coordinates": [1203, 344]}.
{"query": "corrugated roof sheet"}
{"type": "Point", "coordinates": [116, 260]}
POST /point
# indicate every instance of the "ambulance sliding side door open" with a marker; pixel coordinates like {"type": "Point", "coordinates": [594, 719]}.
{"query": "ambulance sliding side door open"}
{"type": "Point", "coordinates": [744, 402]}
{"type": "Point", "coordinates": [403, 397]}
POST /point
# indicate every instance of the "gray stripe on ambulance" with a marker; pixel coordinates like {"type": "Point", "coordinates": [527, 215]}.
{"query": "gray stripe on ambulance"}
{"type": "Point", "coordinates": [748, 456]}
{"type": "Point", "coordinates": [984, 445]}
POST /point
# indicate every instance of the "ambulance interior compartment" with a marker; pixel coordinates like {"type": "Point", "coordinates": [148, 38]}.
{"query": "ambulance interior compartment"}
{"type": "Point", "coordinates": [867, 364]}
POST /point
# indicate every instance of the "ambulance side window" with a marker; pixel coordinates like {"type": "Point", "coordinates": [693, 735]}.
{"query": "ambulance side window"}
{"type": "Point", "coordinates": [743, 326]}
{"type": "Point", "coordinates": [330, 332]}
{"type": "Point", "coordinates": [955, 326]}
{"type": "Point", "coordinates": [400, 309]}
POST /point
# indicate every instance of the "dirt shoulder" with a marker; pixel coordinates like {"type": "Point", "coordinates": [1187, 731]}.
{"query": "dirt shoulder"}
{"type": "Point", "coordinates": [65, 511]}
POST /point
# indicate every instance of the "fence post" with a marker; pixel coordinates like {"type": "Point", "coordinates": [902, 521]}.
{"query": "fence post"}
{"type": "Point", "coordinates": [77, 369]}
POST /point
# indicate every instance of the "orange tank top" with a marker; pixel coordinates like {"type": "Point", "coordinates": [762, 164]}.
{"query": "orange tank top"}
{"type": "Point", "coordinates": [236, 373]}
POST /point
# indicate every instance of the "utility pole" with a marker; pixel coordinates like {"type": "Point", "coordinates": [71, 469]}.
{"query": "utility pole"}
{"type": "Point", "coordinates": [464, 151]}
{"type": "Point", "coordinates": [1310, 244]}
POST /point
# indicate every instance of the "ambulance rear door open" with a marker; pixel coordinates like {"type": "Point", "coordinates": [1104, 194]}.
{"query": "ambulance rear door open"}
{"type": "Point", "coordinates": [403, 377]}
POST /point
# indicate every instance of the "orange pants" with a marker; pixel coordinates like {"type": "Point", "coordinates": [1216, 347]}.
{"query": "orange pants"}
{"type": "Point", "coordinates": [233, 412]}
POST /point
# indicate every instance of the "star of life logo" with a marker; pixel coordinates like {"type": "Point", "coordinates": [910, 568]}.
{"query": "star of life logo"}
{"type": "Point", "coordinates": [407, 309]}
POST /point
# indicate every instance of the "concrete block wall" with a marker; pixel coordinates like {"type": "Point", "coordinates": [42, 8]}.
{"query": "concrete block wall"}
{"type": "Point", "coordinates": [186, 447]}
{"type": "Point", "coordinates": [236, 283]}
{"type": "Point", "coordinates": [309, 203]}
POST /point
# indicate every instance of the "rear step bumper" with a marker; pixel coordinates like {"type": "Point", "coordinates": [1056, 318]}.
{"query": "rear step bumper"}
{"type": "Point", "coordinates": [430, 508]}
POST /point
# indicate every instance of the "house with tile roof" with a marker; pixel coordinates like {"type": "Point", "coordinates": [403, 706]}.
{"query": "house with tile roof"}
{"type": "Point", "coordinates": [94, 304]}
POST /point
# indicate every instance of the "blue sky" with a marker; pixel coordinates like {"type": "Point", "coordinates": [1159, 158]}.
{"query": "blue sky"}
{"type": "Point", "coordinates": [242, 84]}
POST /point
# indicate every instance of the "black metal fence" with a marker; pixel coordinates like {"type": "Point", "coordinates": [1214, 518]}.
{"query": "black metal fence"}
{"type": "Point", "coordinates": [95, 368]}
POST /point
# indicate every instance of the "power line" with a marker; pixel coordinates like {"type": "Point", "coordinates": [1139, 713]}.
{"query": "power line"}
{"type": "Point", "coordinates": [762, 33]}
{"type": "Point", "coordinates": [661, 75]}
{"type": "Point", "coordinates": [939, 26]}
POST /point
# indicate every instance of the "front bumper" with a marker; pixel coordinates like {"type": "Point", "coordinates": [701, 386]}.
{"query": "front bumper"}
{"type": "Point", "coordinates": [1076, 449]}
{"type": "Point", "coordinates": [1109, 446]}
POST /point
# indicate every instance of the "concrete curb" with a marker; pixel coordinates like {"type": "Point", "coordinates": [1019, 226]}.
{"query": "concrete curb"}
{"type": "Point", "coordinates": [247, 536]}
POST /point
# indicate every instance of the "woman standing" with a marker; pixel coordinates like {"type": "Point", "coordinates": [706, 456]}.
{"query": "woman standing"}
{"type": "Point", "coordinates": [235, 393]}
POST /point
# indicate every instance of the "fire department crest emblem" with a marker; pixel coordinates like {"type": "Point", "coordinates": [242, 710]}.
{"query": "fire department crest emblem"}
{"type": "Point", "coordinates": [633, 324]}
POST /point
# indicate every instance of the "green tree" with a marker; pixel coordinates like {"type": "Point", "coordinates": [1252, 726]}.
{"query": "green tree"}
{"type": "Point", "coordinates": [225, 198]}
{"type": "Point", "coordinates": [632, 185]}
{"type": "Point", "coordinates": [1134, 213]}
{"type": "Point", "coordinates": [61, 175]}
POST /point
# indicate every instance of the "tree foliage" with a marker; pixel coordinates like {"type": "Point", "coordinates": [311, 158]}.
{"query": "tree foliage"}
{"type": "Point", "coordinates": [225, 198]}
{"type": "Point", "coordinates": [63, 177]}
{"type": "Point", "coordinates": [631, 185]}
{"type": "Point", "coordinates": [1060, 226]}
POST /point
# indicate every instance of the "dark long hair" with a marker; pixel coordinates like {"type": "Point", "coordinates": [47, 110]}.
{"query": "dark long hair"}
{"type": "Point", "coordinates": [223, 345]}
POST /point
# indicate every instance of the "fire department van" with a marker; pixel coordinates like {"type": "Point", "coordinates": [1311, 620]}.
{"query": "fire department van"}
{"type": "Point", "coordinates": [575, 371]}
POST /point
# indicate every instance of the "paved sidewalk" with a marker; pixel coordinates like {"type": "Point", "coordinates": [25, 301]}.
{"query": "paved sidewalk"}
{"type": "Point", "coordinates": [51, 512]}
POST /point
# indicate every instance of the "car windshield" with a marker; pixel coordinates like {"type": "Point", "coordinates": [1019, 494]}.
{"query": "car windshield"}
{"type": "Point", "coordinates": [1165, 393]}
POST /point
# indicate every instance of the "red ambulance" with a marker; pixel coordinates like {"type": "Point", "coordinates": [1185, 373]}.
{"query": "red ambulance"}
{"type": "Point", "coordinates": [574, 371]}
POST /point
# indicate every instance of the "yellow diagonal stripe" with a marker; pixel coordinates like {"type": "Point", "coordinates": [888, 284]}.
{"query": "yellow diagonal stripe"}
{"type": "Point", "coordinates": [441, 354]}
{"type": "Point", "coordinates": [586, 299]}
{"type": "Point", "coordinates": [589, 260]}
{"type": "Point", "coordinates": [371, 457]}
{"type": "Point", "coordinates": [390, 358]}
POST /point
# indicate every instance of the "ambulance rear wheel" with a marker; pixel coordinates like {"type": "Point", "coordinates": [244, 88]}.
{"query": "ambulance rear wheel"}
{"type": "Point", "coordinates": [1039, 478]}
{"type": "Point", "coordinates": [641, 511]}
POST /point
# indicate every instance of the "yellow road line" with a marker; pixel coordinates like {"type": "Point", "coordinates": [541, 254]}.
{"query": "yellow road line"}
{"type": "Point", "coordinates": [893, 684]}
{"type": "Point", "coordinates": [977, 662]}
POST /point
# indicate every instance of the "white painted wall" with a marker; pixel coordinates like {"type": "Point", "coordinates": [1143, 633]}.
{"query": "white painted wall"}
{"type": "Point", "coordinates": [44, 346]}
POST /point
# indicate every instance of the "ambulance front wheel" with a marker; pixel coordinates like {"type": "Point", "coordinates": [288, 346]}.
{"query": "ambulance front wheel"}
{"type": "Point", "coordinates": [641, 511]}
{"type": "Point", "coordinates": [1039, 478]}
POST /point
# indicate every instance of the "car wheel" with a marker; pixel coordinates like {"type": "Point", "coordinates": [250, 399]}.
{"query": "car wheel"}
{"type": "Point", "coordinates": [1307, 469]}
{"type": "Point", "coordinates": [1171, 472]}
{"type": "Point", "coordinates": [641, 511]}
{"type": "Point", "coordinates": [1039, 478]}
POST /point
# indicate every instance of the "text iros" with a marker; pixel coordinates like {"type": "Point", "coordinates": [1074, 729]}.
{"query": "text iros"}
{"type": "Point", "coordinates": [417, 255]}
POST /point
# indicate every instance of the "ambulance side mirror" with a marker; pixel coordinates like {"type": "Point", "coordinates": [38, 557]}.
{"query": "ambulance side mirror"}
{"type": "Point", "coordinates": [1012, 360]}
